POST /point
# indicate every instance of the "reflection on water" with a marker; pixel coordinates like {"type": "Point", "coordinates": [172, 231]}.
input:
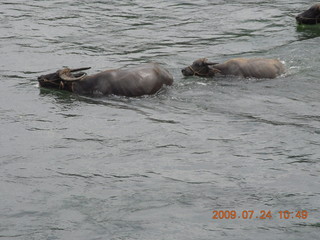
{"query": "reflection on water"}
{"type": "Point", "coordinates": [308, 31]}
{"type": "Point", "coordinates": [155, 167]}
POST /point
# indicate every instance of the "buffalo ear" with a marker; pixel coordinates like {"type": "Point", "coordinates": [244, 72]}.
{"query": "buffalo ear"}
{"type": "Point", "coordinates": [213, 71]}
{"type": "Point", "coordinates": [79, 69]}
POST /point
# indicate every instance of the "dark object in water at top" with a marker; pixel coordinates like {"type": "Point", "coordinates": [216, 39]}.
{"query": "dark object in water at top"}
{"type": "Point", "coordinates": [145, 79]}
{"type": "Point", "coordinates": [310, 16]}
{"type": "Point", "coordinates": [242, 67]}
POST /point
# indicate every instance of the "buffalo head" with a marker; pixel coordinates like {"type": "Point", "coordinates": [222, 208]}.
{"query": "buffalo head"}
{"type": "Point", "coordinates": [61, 78]}
{"type": "Point", "coordinates": [201, 68]}
{"type": "Point", "coordinates": [311, 16]}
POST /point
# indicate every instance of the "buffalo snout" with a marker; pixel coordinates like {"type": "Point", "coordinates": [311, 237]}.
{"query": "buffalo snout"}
{"type": "Point", "coordinates": [186, 71]}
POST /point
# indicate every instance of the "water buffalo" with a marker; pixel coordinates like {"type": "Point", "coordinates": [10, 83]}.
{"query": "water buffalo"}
{"type": "Point", "coordinates": [248, 68]}
{"type": "Point", "coordinates": [145, 79]}
{"type": "Point", "coordinates": [310, 16]}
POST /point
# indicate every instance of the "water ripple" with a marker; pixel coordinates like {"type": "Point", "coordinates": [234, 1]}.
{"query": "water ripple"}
{"type": "Point", "coordinates": [155, 167]}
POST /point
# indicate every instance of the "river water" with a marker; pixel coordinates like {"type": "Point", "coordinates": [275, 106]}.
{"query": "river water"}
{"type": "Point", "coordinates": [157, 167]}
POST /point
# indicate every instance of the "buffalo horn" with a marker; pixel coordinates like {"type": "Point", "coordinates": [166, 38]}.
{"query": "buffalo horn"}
{"type": "Point", "coordinates": [79, 69]}
{"type": "Point", "coordinates": [65, 74]}
{"type": "Point", "coordinates": [211, 63]}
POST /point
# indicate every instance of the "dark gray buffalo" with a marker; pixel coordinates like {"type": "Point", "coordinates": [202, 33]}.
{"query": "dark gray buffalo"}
{"type": "Point", "coordinates": [310, 16]}
{"type": "Point", "coordinates": [242, 67]}
{"type": "Point", "coordinates": [142, 80]}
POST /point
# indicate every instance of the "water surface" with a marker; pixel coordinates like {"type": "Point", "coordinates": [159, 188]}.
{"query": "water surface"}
{"type": "Point", "coordinates": [156, 167]}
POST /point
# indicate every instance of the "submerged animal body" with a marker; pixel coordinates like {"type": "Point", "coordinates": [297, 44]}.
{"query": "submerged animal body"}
{"type": "Point", "coordinates": [145, 79]}
{"type": "Point", "coordinates": [242, 67]}
{"type": "Point", "coordinates": [310, 16]}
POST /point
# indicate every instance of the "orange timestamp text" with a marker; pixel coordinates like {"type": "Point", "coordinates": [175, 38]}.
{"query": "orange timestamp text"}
{"type": "Point", "coordinates": [262, 214]}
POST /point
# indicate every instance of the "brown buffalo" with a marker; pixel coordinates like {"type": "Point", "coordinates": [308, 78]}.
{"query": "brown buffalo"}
{"type": "Point", "coordinates": [310, 16]}
{"type": "Point", "coordinates": [142, 80]}
{"type": "Point", "coordinates": [242, 67]}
